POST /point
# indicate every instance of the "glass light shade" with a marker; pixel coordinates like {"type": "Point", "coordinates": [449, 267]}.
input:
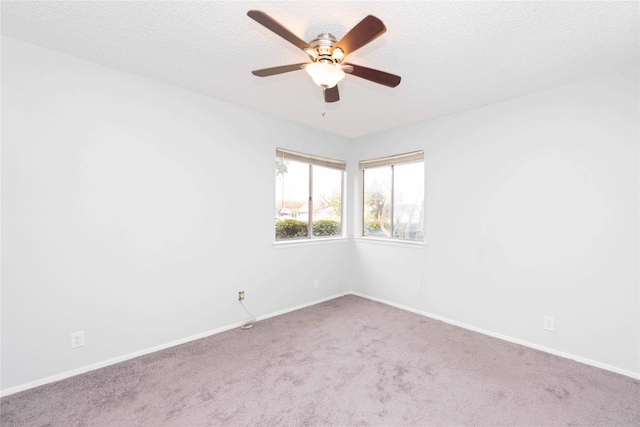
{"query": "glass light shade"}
{"type": "Point", "coordinates": [324, 74]}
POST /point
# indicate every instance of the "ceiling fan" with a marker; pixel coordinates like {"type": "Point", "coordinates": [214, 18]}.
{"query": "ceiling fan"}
{"type": "Point", "coordinates": [327, 66]}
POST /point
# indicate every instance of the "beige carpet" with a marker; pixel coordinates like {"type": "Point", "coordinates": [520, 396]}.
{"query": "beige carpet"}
{"type": "Point", "coordinates": [345, 362]}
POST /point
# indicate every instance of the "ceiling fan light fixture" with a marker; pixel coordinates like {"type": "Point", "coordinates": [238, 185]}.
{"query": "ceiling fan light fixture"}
{"type": "Point", "coordinates": [311, 52]}
{"type": "Point", "coordinates": [337, 55]}
{"type": "Point", "coordinates": [324, 75]}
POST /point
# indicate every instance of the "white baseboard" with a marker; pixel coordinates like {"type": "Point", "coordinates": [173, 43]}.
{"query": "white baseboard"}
{"type": "Point", "coordinates": [635, 375]}
{"type": "Point", "coordinates": [298, 307]}
{"type": "Point", "coordinates": [135, 354]}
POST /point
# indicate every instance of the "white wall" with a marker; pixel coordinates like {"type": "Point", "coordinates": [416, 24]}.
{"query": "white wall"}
{"type": "Point", "coordinates": [135, 211]}
{"type": "Point", "coordinates": [531, 211]}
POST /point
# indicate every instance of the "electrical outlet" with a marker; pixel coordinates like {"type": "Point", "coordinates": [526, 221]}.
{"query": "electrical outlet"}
{"type": "Point", "coordinates": [77, 339]}
{"type": "Point", "coordinates": [240, 295]}
{"type": "Point", "coordinates": [548, 323]}
{"type": "Point", "coordinates": [316, 284]}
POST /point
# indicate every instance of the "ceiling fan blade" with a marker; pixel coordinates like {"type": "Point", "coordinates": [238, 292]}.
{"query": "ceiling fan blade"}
{"type": "Point", "coordinates": [331, 94]}
{"type": "Point", "coordinates": [364, 32]}
{"type": "Point", "coordinates": [266, 72]}
{"type": "Point", "coordinates": [375, 76]}
{"type": "Point", "coordinates": [264, 19]}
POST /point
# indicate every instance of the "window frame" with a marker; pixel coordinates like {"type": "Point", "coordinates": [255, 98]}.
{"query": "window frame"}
{"type": "Point", "coordinates": [326, 162]}
{"type": "Point", "coordinates": [392, 161]}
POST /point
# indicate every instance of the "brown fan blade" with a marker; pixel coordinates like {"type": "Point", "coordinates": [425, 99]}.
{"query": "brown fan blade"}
{"type": "Point", "coordinates": [266, 72]}
{"type": "Point", "coordinates": [264, 19]}
{"type": "Point", "coordinates": [331, 94]}
{"type": "Point", "coordinates": [365, 31]}
{"type": "Point", "coordinates": [375, 76]}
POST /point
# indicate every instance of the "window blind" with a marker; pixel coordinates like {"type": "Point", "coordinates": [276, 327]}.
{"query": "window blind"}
{"type": "Point", "coordinates": [311, 159]}
{"type": "Point", "coordinates": [416, 156]}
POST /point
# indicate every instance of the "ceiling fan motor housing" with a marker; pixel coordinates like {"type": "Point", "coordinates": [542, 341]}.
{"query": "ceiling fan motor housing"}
{"type": "Point", "coordinates": [324, 52]}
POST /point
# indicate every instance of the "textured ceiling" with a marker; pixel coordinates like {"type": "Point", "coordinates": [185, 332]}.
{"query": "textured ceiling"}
{"type": "Point", "coordinates": [452, 55]}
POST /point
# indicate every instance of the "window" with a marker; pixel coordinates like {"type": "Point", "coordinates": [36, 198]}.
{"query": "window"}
{"type": "Point", "coordinates": [393, 197]}
{"type": "Point", "coordinates": [308, 196]}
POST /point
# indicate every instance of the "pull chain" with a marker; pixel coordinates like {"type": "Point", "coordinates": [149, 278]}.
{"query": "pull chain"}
{"type": "Point", "coordinates": [324, 89]}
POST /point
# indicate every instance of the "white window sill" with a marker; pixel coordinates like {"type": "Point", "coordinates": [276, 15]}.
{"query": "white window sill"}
{"type": "Point", "coordinates": [391, 242]}
{"type": "Point", "coordinates": [305, 242]}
